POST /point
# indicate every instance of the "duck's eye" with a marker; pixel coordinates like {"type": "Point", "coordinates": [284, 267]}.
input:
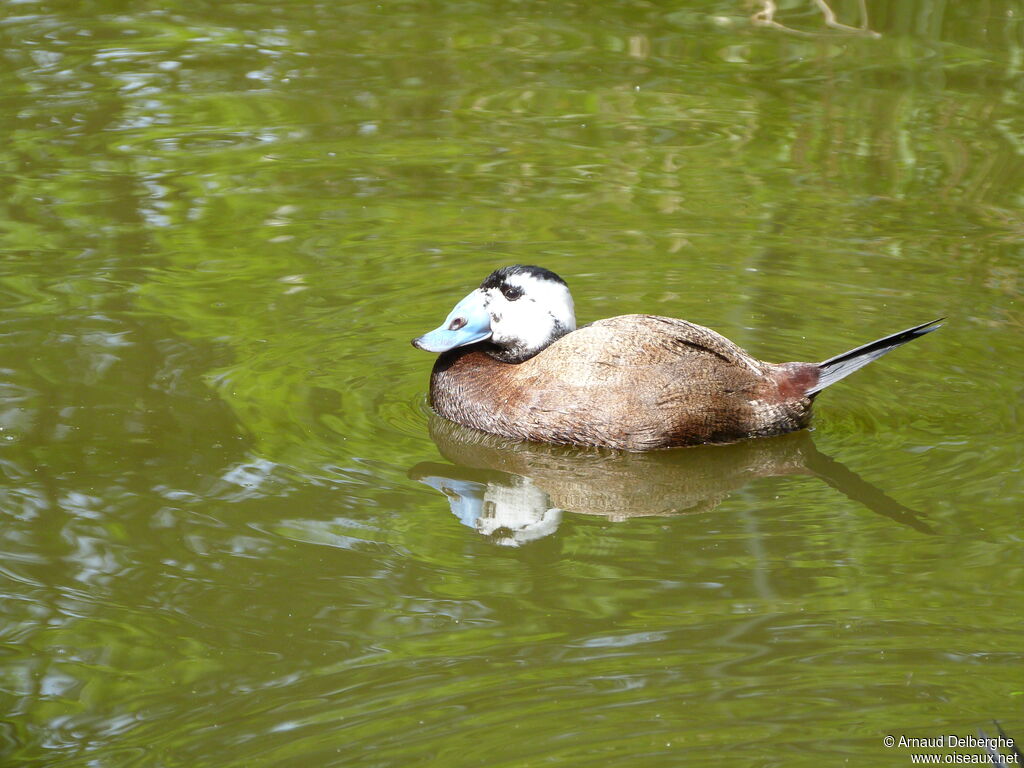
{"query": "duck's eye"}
{"type": "Point", "coordinates": [511, 292]}
{"type": "Point", "coordinates": [457, 323]}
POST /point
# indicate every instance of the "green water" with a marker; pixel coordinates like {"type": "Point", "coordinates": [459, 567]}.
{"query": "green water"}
{"type": "Point", "coordinates": [220, 225]}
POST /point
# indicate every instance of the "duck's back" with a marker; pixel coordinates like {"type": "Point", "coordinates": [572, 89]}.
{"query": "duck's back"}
{"type": "Point", "coordinates": [635, 382]}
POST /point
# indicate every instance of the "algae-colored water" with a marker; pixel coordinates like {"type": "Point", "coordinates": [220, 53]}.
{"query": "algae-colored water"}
{"type": "Point", "coordinates": [223, 541]}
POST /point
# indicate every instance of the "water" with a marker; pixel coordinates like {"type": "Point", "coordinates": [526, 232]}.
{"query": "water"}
{"type": "Point", "coordinates": [224, 542]}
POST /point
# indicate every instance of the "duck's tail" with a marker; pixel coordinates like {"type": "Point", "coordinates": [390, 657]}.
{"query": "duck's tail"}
{"type": "Point", "coordinates": [841, 366]}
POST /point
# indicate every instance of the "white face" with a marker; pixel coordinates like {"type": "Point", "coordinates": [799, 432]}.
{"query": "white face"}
{"type": "Point", "coordinates": [528, 313]}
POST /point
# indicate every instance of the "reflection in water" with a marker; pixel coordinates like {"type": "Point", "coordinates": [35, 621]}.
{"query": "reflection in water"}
{"type": "Point", "coordinates": [516, 492]}
{"type": "Point", "coordinates": [510, 509]}
{"type": "Point", "coordinates": [765, 17]}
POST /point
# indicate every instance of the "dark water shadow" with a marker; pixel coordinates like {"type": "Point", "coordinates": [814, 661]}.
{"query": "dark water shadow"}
{"type": "Point", "coordinates": [516, 492]}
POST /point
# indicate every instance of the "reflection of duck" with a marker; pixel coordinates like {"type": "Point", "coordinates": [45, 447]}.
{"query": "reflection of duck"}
{"type": "Point", "coordinates": [519, 490]}
{"type": "Point", "coordinates": [509, 509]}
{"type": "Point", "coordinates": [513, 364]}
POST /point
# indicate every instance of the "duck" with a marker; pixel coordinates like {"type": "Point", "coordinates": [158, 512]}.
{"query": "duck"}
{"type": "Point", "coordinates": [512, 362]}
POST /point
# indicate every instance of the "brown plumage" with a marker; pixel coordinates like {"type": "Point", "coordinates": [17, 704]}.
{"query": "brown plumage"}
{"type": "Point", "coordinates": [635, 382]}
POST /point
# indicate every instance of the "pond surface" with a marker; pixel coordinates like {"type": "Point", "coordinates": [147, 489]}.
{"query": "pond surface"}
{"type": "Point", "coordinates": [233, 535]}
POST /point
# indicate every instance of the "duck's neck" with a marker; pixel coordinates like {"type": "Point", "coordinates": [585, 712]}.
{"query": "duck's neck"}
{"type": "Point", "coordinates": [466, 386]}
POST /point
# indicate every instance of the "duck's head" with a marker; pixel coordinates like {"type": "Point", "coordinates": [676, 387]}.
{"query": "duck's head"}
{"type": "Point", "coordinates": [518, 310]}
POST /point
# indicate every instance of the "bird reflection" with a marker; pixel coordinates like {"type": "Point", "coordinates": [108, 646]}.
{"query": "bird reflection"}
{"type": "Point", "coordinates": [514, 492]}
{"type": "Point", "coordinates": [508, 509]}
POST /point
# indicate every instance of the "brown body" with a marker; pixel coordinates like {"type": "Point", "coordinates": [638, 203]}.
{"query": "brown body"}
{"type": "Point", "coordinates": [634, 382]}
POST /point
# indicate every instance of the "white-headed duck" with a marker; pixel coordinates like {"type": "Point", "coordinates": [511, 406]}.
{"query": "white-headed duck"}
{"type": "Point", "coordinates": [513, 363]}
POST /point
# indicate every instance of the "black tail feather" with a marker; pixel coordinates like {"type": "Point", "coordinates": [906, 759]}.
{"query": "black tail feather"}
{"type": "Point", "coordinates": [841, 366]}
